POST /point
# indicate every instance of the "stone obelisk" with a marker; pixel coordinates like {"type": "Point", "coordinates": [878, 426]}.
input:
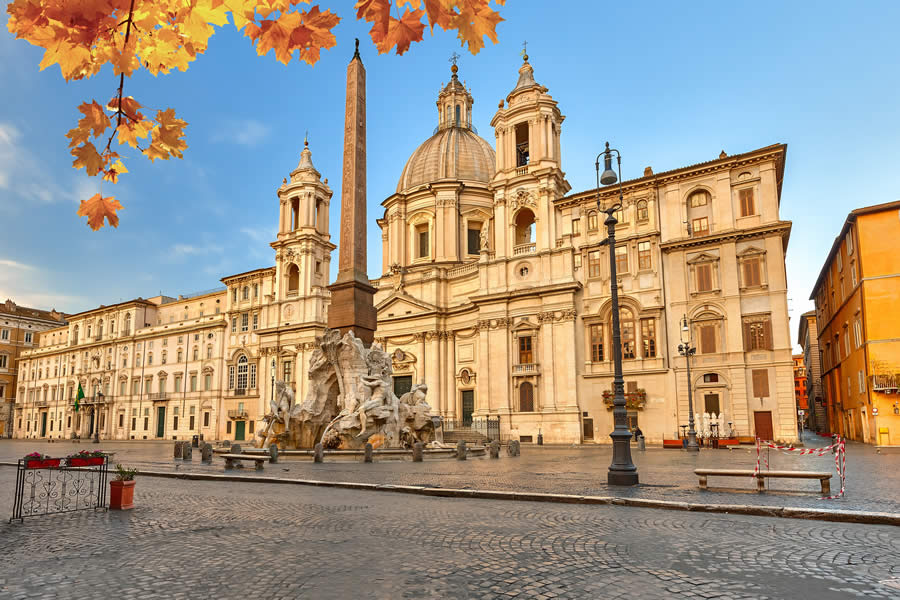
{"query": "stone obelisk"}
{"type": "Point", "coordinates": [352, 296]}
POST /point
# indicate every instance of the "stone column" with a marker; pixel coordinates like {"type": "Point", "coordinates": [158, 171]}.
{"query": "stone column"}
{"type": "Point", "coordinates": [420, 337]}
{"type": "Point", "coordinates": [451, 375]}
{"type": "Point", "coordinates": [352, 296]}
{"type": "Point", "coordinates": [433, 376]}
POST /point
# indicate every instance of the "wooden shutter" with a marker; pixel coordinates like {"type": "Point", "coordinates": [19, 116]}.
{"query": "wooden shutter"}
{"type": "Point", "coordinates": [707, 339]}
{"type": "Point", "coordinates": [751, 272]}
{"type": "Point", "coordinates": [746, 336]}
{"type": "Point", "coordinates": [760, 383]}
{"type": "Point", "coordinates": [767, 334]}
{"type": "Point", "coordinates": [747, 207]}
{"type": "Point", "coordinates": [704, 278]}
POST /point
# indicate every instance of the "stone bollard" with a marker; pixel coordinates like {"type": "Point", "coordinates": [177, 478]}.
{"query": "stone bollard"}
{"type": "Point", "coordinates": [641, 444]}
{"type": "Point", "coordinates": [368, 453]}
{"type": "Point", "coordinates": [186, 451]}
{"type": "Point", "coordinates": [461, 450]}
{"type": "Point", "coordinates": [494, 449]}
{"type": "Point", "coordinates": [318, 453]}
{"type": "Point", "coordinates": [178, 449]}
{"type": "Point", "coordinates": [273, 454]}
{"type": "Point", "coordinates": [418, 451]}
{"type": "Point", "coordinates": [513, 448]}
{"type": "Point", "coordinates": [206, 454]}
{"type": "Point", "coordinates": [235, 449]}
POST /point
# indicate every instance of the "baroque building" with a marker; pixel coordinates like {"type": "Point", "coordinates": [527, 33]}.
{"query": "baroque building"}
{"type": "Point", "coordinates": [495, 291]}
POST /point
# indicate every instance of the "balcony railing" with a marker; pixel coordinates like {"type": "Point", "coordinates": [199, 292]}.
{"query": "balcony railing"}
{"type": "Point", "coordinates": [526, 369]}
{"type": "Point", "coordinates": [522, 170]}
{"type": "Point", "coordinates": [236, 413]}
{"type": "Point", "coordinates": [463, 269]}
{"type": "Point", "coordinates": [240, 392]}
{"type": "Point", "coordinates": [885, 383]}
{"type": "Point", "coordinates": [156, 396]}
{"type": "Point", "coordinates": [523, 249]}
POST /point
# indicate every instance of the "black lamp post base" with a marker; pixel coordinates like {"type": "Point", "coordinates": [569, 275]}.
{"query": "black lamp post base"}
{"type": "Point", "coordinates": [622, 478]}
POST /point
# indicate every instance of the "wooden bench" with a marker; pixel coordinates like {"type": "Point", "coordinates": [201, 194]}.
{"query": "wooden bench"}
{"type": "Point", "coordinates": [231, 458]}
{"type": "Point", "coordinates": [823, 477]}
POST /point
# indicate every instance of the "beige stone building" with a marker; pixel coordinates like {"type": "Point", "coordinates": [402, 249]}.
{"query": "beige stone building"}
{"type": "Point", "coordinates": [495, 291]}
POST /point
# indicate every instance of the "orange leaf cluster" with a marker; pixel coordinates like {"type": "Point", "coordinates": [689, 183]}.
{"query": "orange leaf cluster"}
{"type": "Point", "coordinates": [473, 19]}
{"type": "Point", "coordinates": [80, 36]}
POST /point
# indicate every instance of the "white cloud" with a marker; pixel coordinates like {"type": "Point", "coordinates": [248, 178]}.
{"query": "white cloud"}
{"type": "Point", "coordinates": [27, 285]}
{"type": "Point", "coordinates": [244, 132]}
{"type": "Point", "coordinates": [262, 235]}
{"type": "Point", "coordinates": [181, 250]}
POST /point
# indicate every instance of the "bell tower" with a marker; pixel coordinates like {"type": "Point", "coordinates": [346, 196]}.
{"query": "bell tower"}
{"type": "Point", "coordinates": [529, 174]}
{"type": "Point", "coordinates": [303, 248]}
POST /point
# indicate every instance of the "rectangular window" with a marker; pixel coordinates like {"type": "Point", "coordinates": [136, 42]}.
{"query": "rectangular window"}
{"type": "Point", "coordinates": [857, 333]}
{"type": "Point", "coordinates": [707, 339]}
{"type": "Point", "coordinates": [846, 342]}
{"type": "Point", "coordinates": [245, 321]}
{"type": "Point", "coordinates": [700, 226]}
{"type": "Point", "coordinates": [704, 278]}
{"type": "Point", "coordinates": [228, 427]}
{"type": "Point", "coordinates": [422, 240]}
{"type": "Point", "coordinates": [177, 383]}
{"type": "Point", "coordinates": [577, 260]}
{"type": "Point", "coordinates": [193, 383]}
{"type": "Point", "coordinates": [4, 334]}
{"type": "Point", "coordinates": [206, 419]}
{"type": "Point", "coordinates": [136, 387]}
{"type": "Point", "coordinates": [253, 376]}
{"type": "Point", "coordinates": [592, 221]}
{"type": "Point", "coordinates": [287, 371]}
{"type": "Point", "coordinates": [122, 388]}
{"type": "Point", "coordinates": [862, 382]}
{"type": "Point", "coordinates": [146, 423]}
{"type": "Point", "coordinates": [4, 361]}
{"type": "Point", "coordinates": [191, 423]}
{"type": "Point", "coordinates": [526, 356]}
{"type": "Point", "coordinates": [473, 238]}
{"type": "Point", "coordinates": [644, 255]}
{"type": "Point", "coordinates": [853, 273]}
{"type": "Point", "coordinates": [231, 377]}
{"type": "Point", "coordinates": [576, 226]}
{"type": "Point", "coordinates": [750, 272]}
{"type": "Point", "coordinates": [255, 295]}
{"type": "Point", "coordinates": [234, 295]}
{"type": "Point", "coordinates": [207, 382]}
{"type": "Point", "coordinates": [748, 207]}
{"type": "Point", "coordinates": [594, 263]}
{"type": "Point", "coordinates": [233, 324]}
{"type": "Point", "coordinates": [252, 423]}
{"type": "Point", "coordinates": [849, 243]}
{"type": "Point", "coordinates": [760, 383]}
{"type": "Point", "coordinates": [621, 259]}
{"type": "Point", "coordinates": [758, 334]}
{"type": "Point", "coordinates": [174, 422]}
{"type": "Point", "coordinates": [29, 337]}
{"type": "Point", "coordinates": [698, 199]}
{"type": "Point", "coordinates": [596, 343]}
{"type": "Point", "coordinates": [648, 337]}
{"type": "Point", "coordinates": [255, 321]}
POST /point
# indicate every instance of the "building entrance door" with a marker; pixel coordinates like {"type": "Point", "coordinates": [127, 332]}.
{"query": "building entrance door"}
{"type": "Point", "coordinates": [588, 425]}
{"type": "Point", "coordinates": [160, 421]}
{"type": "Point", "coordinates": [762, 420]}
{"type": "Point", "coordinates": [239, 430]}
{"type": "Point", "coordinates": [468, 405]}
{"type": "Point", "coordinates": [43, 424]}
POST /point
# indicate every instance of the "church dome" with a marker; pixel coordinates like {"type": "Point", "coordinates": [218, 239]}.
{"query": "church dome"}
{"type": "Point", "coordinates": [454, 152]}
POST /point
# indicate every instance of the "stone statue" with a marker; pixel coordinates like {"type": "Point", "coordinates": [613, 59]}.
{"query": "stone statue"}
{"type": "Point", "coordinates": [279, 416]}
{"type": "Point", "coordinates": [351, 400]}
{"type": "Point", "coordinates": [485, 232]}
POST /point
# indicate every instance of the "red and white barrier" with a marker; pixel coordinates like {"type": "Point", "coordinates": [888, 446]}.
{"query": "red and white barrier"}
{"type": "Point", "coordinates": [838, 448]}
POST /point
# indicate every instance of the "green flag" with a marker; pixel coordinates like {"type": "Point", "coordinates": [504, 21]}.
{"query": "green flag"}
{"type": "Point", "coordinates": [78, 396]}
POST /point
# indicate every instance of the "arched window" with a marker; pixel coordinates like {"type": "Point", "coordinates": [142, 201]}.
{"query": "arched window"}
{"type": "Point", "coordinates": [196, 353]}
{"type": "Point", "coordinates": [149, 359]}
{"type": "Point", "coordinates": [75, 335]}
{"type": "Point", "coordinates": [100, 328]}
{"type": "Point", "coordinates": [180, 355]}
{"type": "Point", "coordinates": [243, 369]}
{"type": "Point", "coordinates": [526, 397]}
{"type": "Point", "coordinates": [457, 115]}
{"type": "Point", "coordinates": [293, 278]}
{"type": "Point", "coordinates": [698, 199]}
{"type": "Point", "coordinates": [209, 351]}
{"type": "Point", "coordinates": [593, 222]}
{"type": "Point", "coordinates": [524, 227]}
{"type": "Point", "coordinates": [245, 294]}
{"type": "Point", "coordinates": [626, 328]}
{"type": "Point", "coordinates": [642, 213]}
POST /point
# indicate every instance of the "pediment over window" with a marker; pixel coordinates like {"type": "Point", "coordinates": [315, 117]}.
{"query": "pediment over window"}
{"type": "Point", "coordinates": [525, 324]}
{"type": "Point", "coordinates": [703, 257]}
{"type": "Point", "coordinates": [750, 252]}
{"type": "Point", "coordinates": [162, 374]}
{"type": "Point", "coordinates": [400, 304]}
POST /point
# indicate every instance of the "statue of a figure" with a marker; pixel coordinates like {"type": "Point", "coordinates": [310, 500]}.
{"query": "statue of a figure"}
{"type": "Point", "coordinates": [279, 411]}
{"type": "Point", "coordinates": [485, 232]}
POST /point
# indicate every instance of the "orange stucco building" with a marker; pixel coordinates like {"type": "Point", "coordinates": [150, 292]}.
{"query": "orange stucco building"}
{"type": "Point", "coordinates": [856, 298]}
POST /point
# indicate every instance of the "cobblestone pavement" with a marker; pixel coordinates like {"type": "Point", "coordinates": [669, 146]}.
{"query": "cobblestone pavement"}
{"type": "Point", "coordinates": [873, 480]}
{"type": "Point", "coordinates": [195, 539]}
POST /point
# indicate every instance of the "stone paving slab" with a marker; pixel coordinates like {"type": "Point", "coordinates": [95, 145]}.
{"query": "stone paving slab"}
{"type": "Point", "coordinates": [200, 539]}
{"type": "Point", "coordinates": [873, 480]}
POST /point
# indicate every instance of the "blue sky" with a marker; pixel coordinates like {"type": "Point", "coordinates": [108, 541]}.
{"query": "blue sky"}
{"type": "Point", "coordinates": [668, 83]}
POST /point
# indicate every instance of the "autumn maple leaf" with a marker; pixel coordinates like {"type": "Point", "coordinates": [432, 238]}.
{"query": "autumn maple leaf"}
{"type": "Point", "coordinates": [166, 136]}
{"type": "Point", "coordinates": [402, 32]}
{"type": "Point", "coordinates": [87, 156]}
{"type": "Point", "coordinates": [98, 208]}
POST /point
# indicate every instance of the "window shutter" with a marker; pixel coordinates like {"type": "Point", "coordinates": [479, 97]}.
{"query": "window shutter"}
{"type": "Point", "coordinates": [760, 383]}
{"type": "Point", "coordinates": [767, 333]}
{"type": "Point", "coordinates": [707, 339]}
{"type": "Point", "coordinates": [704, 278]}
{"type": "Point", "coordinates": [746, 336]}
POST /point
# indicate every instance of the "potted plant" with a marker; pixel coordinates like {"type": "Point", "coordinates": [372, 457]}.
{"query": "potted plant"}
{"type": "Point", "coordinates": [121, 489]}
{"type": "Point", "coordinates": [85, 458]}
{"type": "Point", "coordinates": [36, 460]}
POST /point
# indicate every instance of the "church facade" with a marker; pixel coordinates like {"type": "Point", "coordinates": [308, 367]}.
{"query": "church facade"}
{"type": "Point", "coordinates": [495, 291]}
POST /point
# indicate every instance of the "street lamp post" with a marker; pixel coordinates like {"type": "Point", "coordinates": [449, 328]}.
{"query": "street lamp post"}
{"type": "Point", "coordinates": [686, 350]}
{"type": "Point", "coordinates": [272, 397]}
{"type": "Point", "coordinates": [622, 470]}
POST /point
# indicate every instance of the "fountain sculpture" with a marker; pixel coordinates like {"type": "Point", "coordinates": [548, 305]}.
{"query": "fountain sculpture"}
{"type": "Point", "coordinates": [350, 402]}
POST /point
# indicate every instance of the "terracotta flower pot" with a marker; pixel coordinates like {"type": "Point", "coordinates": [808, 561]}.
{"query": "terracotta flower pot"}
{"type": "Point", "coordinates": [41, 464]}
{"type": "Point", "coordinates": [121, 495]}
